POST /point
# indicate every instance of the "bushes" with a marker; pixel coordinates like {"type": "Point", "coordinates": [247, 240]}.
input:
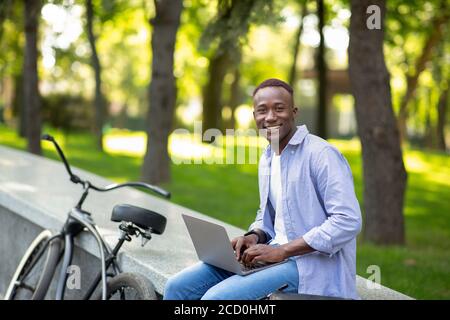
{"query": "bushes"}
{"type": "Point", "coordinates": [67, 112]}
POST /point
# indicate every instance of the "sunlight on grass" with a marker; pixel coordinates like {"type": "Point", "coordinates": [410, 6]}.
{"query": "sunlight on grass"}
{"type": "Point", "coordinates": [125, 143]}
{"type": "Point", "coordinates": [352, 145]}
{"type": "Point", "coordinates": [415, 163]}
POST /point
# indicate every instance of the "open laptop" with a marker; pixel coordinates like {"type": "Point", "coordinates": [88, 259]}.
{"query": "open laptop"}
{"type": "Point", "coordinates": [214, 247]}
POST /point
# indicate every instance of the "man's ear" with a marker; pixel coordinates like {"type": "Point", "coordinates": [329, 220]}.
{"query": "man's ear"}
{"type": "Point", "coordinates": [295, 111]}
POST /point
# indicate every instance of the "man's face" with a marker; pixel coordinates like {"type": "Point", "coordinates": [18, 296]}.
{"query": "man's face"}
{"type": "Point", "coordinates": [273, 110]}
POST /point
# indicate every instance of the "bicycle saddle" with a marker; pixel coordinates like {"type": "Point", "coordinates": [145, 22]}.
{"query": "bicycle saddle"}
{"type": "Point", "coordinates": [143, 218]}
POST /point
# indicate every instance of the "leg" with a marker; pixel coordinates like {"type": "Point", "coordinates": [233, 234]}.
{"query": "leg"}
{"type": "Point", "coordinates": [256, 285]}
{"type": "Point", "coordinates": [192, 283]}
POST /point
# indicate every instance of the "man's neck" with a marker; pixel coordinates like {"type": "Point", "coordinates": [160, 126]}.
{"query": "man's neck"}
{"type": "Point", "coordinates": [285, 141]}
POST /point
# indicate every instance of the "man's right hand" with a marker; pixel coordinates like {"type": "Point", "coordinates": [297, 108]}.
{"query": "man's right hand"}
{"type": "Point", "coordinates": [241, 243]}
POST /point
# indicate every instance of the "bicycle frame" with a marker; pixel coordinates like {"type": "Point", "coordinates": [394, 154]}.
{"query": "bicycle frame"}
{"type": "Point", "coordinates": [72, 228]}
{"type": "Point", "coordinates": [78, 220]}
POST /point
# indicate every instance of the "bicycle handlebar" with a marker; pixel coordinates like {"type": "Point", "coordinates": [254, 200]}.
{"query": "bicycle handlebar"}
{"type": "Point", "coordinates": [153, 188]}
{"type": "Point", "coordinates": [75, 179]}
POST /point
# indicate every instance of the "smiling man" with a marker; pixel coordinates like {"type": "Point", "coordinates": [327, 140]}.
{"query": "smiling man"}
{"type": "Point", "coordinates": [308, 216]}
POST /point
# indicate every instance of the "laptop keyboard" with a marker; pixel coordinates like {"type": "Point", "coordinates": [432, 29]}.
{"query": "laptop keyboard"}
{"type": "Point", "coordinates": [253, 266]}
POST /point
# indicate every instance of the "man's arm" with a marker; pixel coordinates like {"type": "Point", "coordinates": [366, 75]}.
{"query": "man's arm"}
{"type": "Point", "coordinates": [261, 234]}
{"type": "Point", "coordinates": [268, 253]}
{"type": "Point", "coordinates": [251, 238]}
{"type": "Point", "coordinates": [295, 248]}
{"type": "Point", "coordinates": [335, 186]}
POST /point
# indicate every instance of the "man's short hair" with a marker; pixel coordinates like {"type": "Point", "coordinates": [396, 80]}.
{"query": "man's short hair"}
{"type": "Point", "coordinates": [273, 82]}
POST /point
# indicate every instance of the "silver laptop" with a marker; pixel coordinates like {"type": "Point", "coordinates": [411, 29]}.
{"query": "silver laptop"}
{"type": "Point", "coordinates": [214, 247]}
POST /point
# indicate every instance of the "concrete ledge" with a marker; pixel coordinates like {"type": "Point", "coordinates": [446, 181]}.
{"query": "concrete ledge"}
{"type": "Point", "coordinates": [37, 192]}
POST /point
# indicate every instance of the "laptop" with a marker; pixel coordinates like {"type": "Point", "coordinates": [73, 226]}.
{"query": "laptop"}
{"type": "Point", "coordinates": [213, 246]}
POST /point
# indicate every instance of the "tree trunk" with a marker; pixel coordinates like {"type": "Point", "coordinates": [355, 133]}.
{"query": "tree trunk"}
{"type": "Point", "coordinates": [32, 103]}
{"type": "Point", "coordinates": [384, 171]}
{"type": "Point", "coordinates": [442, 117]}
{"type": "Point", "coordinates": [433, 39]}
{"type": "Point", "coordinates": [428, 129]}
{"type": "Point", "coordinates": [322, 73]}
{"type": "Point", "coordinates": [225, 56]}
{"type": "Point", "coordinates": [162, 91]}
{"type": "Point", "coordinates": [212, 92]}
{"type": "Point", "coordinates": [99, 114]}
{"type": "Point", "coordinates": [298, 34]}
{"type": "Point", "coordinates": [235, 95]}
{"type": "Point", "coordinates": [19, 105]}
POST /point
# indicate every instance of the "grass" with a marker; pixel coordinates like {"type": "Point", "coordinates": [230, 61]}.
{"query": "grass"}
{"type": "Point", "coordinates": [420, 269]}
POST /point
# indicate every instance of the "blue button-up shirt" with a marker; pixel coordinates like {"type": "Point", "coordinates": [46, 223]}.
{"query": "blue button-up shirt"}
{"type": "Point", "coordinates": [320, 205]}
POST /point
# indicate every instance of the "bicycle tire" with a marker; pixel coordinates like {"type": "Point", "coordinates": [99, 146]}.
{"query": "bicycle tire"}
{"type": "Point", "coordinates": [31, 257]}
{"type": "Point", "coordinates": [31, 251]}
{"type": "Point", "coordinates": [142, 288]}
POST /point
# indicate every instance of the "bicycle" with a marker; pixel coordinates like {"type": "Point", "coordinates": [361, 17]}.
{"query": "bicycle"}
{"type": "Point", "coordinates": [33, 275]}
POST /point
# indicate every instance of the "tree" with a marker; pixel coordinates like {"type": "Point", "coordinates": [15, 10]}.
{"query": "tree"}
{"type": "Point", "coordinates": [32, 103]}
{"type": "Point", "coordinates": [435, 35]}
{"type": "Point", "coordinates": [322, 73]}
{"type": "Point", "coordinates": [162, 90]}
{"type": "Point", "coordinates": [99, 103]}
{"type": "Point", "coordinates": [224, 37]}
{"type": "Point", "coordinates": [296, 48]}
{"type": "Point", "coordinates": [232, 22]}
{"type": "Point", "coordinates": [441, 76]}
{"type": "Point", "coordinates": [12, 42]}
{"type": "Point", "coordinates": [442, 117]}
{"type": "Point", "coordinates": [384, 171]}
{"type": "Point", "coordinates": [236, 95]}
{"type": "Point", "coordinates": [212, 92]}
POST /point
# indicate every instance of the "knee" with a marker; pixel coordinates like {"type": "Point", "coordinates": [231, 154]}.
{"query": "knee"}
{"type": "Point", "coordinates": [215, 293]}
{"type": "Point", "coordinates": [174, 289]}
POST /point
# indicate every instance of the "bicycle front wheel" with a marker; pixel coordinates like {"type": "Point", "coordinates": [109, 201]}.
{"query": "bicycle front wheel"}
{"type": "Point", "coordinates": [35, 271]}
{"type": "Point", "coordinates": [128, 286]}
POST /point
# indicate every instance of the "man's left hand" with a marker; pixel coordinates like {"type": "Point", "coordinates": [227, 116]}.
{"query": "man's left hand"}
{"type": "Point", "coordinates": [263, 253]}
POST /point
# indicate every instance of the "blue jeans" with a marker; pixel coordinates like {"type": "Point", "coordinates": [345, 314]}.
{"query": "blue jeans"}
{"type": "Point", "coordinates": [206, 282]}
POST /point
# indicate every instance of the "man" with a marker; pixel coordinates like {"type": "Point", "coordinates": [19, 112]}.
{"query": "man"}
{"type": "Point", "coordinates": [308, 214]}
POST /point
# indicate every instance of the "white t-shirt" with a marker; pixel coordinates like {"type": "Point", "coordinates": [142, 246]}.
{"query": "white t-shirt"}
{"type": "Point", "coordinates": [275, 191]}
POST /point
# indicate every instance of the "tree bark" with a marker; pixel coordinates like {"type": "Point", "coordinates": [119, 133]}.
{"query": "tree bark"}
{"type": "Point", "coordinates": [429, 139]}
{"type": "Point", "coordinates": [19, 105]}
{"type": "Point", "coordinates": [235, 95]}
{"type": "Point", "coordinates": [435, 36]}
{"type": "Point", "coordinates": [162, 91]}
{"type": "Point", "coordinates": [442, 117]}
{"type": "Point", "coordinates": [32, 102]}
{"type": "Point", "coordinates": [226, 56]}
{"type": "Point", "coordinates": [296, 49]}
{"type": "Point", "coordinates": [212, 92]}
{"type": "Point", "coordinates": [384, 171]}
{"type": "Point", "coordinates": [99, 103]}
{"type": "Point", "coordinates": [322, 73]}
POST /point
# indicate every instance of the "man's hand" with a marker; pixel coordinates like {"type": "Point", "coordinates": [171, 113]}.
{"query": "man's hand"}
{"type": "Point", "coordinates": [263, 253]}
{"type": "Point", "coordinates": [242, 243]}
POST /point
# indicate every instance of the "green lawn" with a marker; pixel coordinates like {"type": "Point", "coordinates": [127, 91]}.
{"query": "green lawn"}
{"type": "Point", "coordinates": [230, 193]}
